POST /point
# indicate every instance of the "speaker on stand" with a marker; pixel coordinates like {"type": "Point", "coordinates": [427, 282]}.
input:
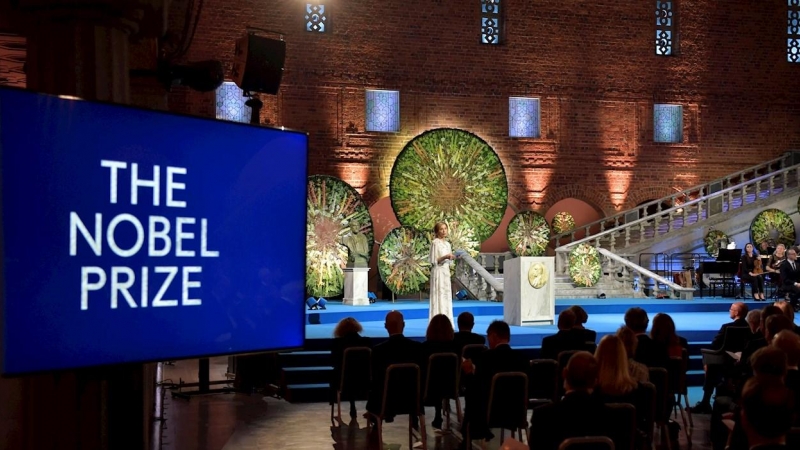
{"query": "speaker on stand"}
{"type": "Point", "coordinates": [258, 67]}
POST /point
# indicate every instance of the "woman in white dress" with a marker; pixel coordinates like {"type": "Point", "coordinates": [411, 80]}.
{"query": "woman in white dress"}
{"type": "Point", "coordinates": [441, 295]}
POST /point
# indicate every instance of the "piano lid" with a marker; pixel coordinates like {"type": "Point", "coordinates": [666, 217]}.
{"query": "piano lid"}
{"type": "Point", "coordinates": [729, 255]}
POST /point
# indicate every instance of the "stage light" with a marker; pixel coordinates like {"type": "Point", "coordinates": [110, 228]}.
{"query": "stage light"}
{"type": "Point", "coordinates": [372, 297]}
{"type": "Point", "coordinates": [462, 294]}
{"type": "Point", "coordinates": [311, 302]}
{"type": "Point", "coordinates": [321, 303]}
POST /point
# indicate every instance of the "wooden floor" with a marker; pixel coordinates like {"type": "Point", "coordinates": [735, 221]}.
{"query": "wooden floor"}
{"type": "Point", "coordinates": [249, 422]}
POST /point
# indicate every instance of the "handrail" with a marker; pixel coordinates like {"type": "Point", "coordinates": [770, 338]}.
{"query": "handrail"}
{"type": "Point", "coordinates": [480, 270]}
{"type": "Point", "coordinates": [684, 193]}
{"type": "Point", "coordinates": [669, 211]}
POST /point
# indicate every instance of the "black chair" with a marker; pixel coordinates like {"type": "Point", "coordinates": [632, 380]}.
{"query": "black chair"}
{"type": "Point", "coordinates": [441, 383]}
{"type": "Point", "coordinates": [677, 368]}
{"type": "Point", "coordinates": [355, 378]}
{"type": "Point", "coordinates": [659, 377]}
{"type": "Point", "coordinates": [543, 382]}
{"type": "Point", "coordinates": [587, 443]}
{"type": "Point", "coordinates": [734, 340]}
{"type": "Point", "coordinates": [793, 438]}
{"type": "Point", "coordinates": [622, 420]}
{"type": "Point", "coordinates": [508, 404]}
{"type": "Point", "coordinates": [646, 414]}
{"type": "Point", "coordinates": [470, 351]}
{"type": "Point", "coordinates": [401, 396]}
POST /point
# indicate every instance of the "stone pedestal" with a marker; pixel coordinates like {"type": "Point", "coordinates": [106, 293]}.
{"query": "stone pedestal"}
{"type": "Point", "coordinates": [356, 280]}
{"type": "Point", "coordinates": [529, 291]}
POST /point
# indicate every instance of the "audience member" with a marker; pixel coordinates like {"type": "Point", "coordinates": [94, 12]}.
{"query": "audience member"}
{"type": "Point", "coordinates": [346, 335]}
{"type": "Point", "coordinates": [648, 352]}
{"type": "Point", "coordinates": [789, 342]}
{"type": "Point", "coordinates": [578, 414]}
{"type": "Point", "coordinates": [614, 383]}
{"type": "Point", "coordinates": [767, 408]}
{"type": "Point", "coordinates": [438, 339]}
{"type": "Point", "coordinates": [567, 338]}
{"type": "Point", "coordinates": [638, 371]}
{"type": "Point", "coordinates": [465, 336]}
{"type": "Point", "coordinates": [788, 311]}
{"type": "Point", "coordinates": [663, 332]}
{"type": "Point", "coordinates": [581, 317]}
{"type": "Point", "coordinates": [790, 275]}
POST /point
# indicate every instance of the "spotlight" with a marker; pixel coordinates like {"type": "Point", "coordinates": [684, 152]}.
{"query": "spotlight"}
{"type": "Point", "coordinates": [311, 302]}
{"type": "Point", "coordinates": [462, 294]}
{"type": "Point", "coordinates": [321, 303]}
{"type": "Point", "coordinates": [372, 297]}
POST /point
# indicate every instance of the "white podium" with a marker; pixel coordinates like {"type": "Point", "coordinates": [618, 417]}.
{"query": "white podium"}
{"type": "Point", "coordinates": [529, 290]}
{"type": "Point", "coordinates": [356, 285]}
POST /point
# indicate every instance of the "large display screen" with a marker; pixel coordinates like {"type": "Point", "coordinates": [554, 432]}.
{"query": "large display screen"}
{"type": "Point", "coordinates": [131, 235]}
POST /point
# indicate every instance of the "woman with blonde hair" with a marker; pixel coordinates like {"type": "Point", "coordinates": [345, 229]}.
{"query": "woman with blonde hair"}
{"type": "Point", "coordinates": [441, 256]}
{"type": "Point", "coordinates": [638, 371]}
{"type": "Point", "coordinates": [613, 376]}
{"type": "Point", "coordinates": [346, 335]}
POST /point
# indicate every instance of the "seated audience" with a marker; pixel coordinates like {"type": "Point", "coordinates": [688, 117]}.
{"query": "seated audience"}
{"type": "Point", "coordinates": [397, 349]}
{"type": "Point", "coordinates": [614, 382]}
{"type": "Point", "coordinates": [438, 339]}
{"type": "Point", "coordinates": [581, 317]}
{"type": "Point", "coordinates": [648, 352]}
{"type": "Point", "coordinates": [578, 414]}
{"type": "Point", "coordinates": [789, 343]}
{"type": "Point", "coordinates": [346, 335]}
{"type": "Point", "coordinates": [766, 414]}
{"type": "Point", "coordinates": [499, 358]}
{"type": "Point", "coordinates": [465, 336]}
{"type": "Point", "coordinates": [788, 311]}
{"type": "Point", "coordinates": [567, 338]}
{"type": "Point", "coordinates": [638, 371]}
{"type": "Point", "coordinates": [663, 332]}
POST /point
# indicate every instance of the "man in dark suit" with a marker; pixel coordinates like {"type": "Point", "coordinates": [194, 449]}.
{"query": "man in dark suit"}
{"type": "Point", "coordinates": [766, 413]}
{"type": "Point", "coordinates": [465, 336]}
{"type": "Point", "coordinates": [738, 312]}
{"type": "Point", "coordinates": [790, 275]}
{"type": "Point", "coordinates": [397, 349]}
{"type": "Point", "coordinates": [581, 317]}
{"type": "Point", "coordinates": [789, 342]}
{"type": "Point", "coordinates": [648, 352]}
{"type": "Point", "coordinates": [578, 414]}
{"type": "Point", "coordinates": [567, 338]}
{"type": "Point", "coordinates": [499, 358]}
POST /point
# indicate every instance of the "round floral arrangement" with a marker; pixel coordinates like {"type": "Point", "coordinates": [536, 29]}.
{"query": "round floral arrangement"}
{"type": "Point", "coordinates": [773, 225]}
{"type": "Point", "coordinates": [528, 234]}
{"type": "Point", "coordinates": [449, 175]}
{"type": "Point", "coordinates": [403, 260]}
{"type": "Point", "coordinates": [712, 240]}
{"type": "Point", "coordinates": [332, 206]}
{"type": "Point", "coordinates": [584, 265]}
{"type": "Point", "coordinates": [563, 222]}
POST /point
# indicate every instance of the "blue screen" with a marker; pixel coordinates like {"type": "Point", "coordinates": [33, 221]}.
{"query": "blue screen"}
{"type": "Point", "coordinates": [131, 235]}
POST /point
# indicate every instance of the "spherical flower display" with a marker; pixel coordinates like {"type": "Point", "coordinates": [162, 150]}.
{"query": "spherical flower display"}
{"type": "Point", "coordinates": [584, 265]}
{"type": "Point", "coordinates": [528, 234]}
{"type": "Point", "coordinates": [333, 206]}
{"type": "Point", "coordinates": [403, 260]}
{"type": "Point", "coordinates": [449, 175]}
{"type": "Point", "coordinates": [712, 240]}
{"type": "Point", "coordinates": [773, 225]}
{"type": "Point", "coordinates": [563, 222]}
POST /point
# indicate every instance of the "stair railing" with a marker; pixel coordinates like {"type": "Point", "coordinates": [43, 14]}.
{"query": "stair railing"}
{"type": "Point", "coordinates": [617, 220]}
{"type": "Point", "coordinates": [479, 281]}
{"type": "Point", "coordinates": [712, 204]}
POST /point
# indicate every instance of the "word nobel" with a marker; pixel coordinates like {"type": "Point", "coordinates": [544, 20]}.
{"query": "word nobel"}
{"type": "Point", "coordinates": [155, 235]}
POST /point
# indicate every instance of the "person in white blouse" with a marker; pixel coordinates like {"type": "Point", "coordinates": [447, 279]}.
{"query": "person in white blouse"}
{"type": "Point", "coordinates": [441, 295]}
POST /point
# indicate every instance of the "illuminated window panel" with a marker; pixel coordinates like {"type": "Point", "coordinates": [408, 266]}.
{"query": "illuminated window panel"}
{"type": "Point", "coordinates": [668, 123]}
{"type": "Point", "coordinates": [523, 117]}
{"type": "Point", "coordinates": [793, 30]}
{"type": "Point", "coordinates": [665, 28]}
{"type": "Point", "coordinates": [491, 22]}
{"type": "Point", "coordinates": [383, 111]}
{"type": "Point", "coordinates": [230, 103]}
{"type": "Point", "coordinates": [316, 18]}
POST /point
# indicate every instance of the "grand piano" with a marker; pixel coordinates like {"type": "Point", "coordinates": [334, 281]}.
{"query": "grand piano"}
{"type": "Point", "coordinates": [721, 272]}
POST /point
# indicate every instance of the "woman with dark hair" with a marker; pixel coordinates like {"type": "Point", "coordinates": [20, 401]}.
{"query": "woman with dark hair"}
{"type": "Point", "coordinates": [581, 317]}
{"type": "Point", "coordinates": [752, 272]}
{"type": "Point", "coordinates": [438, 339]}
{"type": "Point", "coordinates": [663, 332]}
{"type": "Point", "coordinates": [346, 335]}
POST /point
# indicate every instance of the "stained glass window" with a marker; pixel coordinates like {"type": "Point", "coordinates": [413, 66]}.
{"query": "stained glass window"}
{"type": "Point", "coordinates": [316, 18]}
{"type": "Point", "coordinates": [490, 21]}
{"type": "Point", "coordinates": [523, 117]}
{"type": "Point", "coordinates": [793, 40]}
{"type": "Point", "coordinates": [383, 110]}
{"type": "Point", "coordinates": [230, 103]}
{"type": "Point", "coordinates": [666, 33]}
{"type": "Point", "coordinates": [668, 123]}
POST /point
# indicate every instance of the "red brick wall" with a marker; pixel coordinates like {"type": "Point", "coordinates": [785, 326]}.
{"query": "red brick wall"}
{"type": "Point", "coordinates": [592, 64]}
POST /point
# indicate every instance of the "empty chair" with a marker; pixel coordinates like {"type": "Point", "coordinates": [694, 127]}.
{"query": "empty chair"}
{"type": "Point", "coordinates": [508, 404]}
{"type": "Point", "coordinates": [354, 379]}
{"type": "Point", "coordinates": [621, 428]}
{"type": "Point", "coordinates": [587, 443]}
{"type": "Point", "coordinates": [401, 396]}
{"type": "Point", "coordinates": [543, 382]}
{"type": "Point", "coordinates": [441, 383]}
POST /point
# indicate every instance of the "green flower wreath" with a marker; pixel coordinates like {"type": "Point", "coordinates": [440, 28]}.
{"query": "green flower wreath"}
{"type": "Point", "coordinates": [711, 242]}
{"type": "Point", "coordinates": [403, 260]}
{"type": "Point", "coordinates": [528, 234]}
{"type": "Point", "coordinates": [563, 222]}
{"type": "Point", "coordinates": [773, 225]}
{"type": "Point", "coordinates": [449, 174]}
{"type": "Point", "coordinates": [332, 206]}
{"type": "Point", "coordinates": [584, 265]}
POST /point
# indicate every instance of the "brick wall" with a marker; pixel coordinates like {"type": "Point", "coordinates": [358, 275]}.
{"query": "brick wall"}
{"type": "Point", "coordinates": [592, 63]}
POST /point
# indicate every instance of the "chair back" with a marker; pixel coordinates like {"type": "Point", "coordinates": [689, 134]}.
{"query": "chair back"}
{"type": "Point", "coordinates": [543, 381]}
{"type": "Point", "coordinates": [660, 379]}
{"type": "Point", "coordinates": [508, 401]}
{"type": "Point", "coordinates": [676, 369]}
{"type": "Point", "coordinates": [441, 379]}
{"type": "Point", "coordinates": [356, 376]}
{"type": "Point", "coordinates": [735, 338]}
{"type": "Point", "coordinates": [646, 411]}
{"type": "Point", "coordinates": [621, 420]}
{"type": "Point", "coordinates": [401, 390]}
{"type": "Point", "coordinates": [793, 438]}
{"type": "Point", "coordinates": [470, 351]}
{"type": "Point", "coordinates": [587, 443]}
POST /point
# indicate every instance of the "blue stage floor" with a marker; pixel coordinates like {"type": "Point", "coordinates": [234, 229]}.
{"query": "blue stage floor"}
{"type": "Point", "coordinates": [697, 320]}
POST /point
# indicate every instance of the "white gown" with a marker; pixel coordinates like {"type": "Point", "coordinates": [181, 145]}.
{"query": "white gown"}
{"type": "Point", "coordinates": [441, 295]}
